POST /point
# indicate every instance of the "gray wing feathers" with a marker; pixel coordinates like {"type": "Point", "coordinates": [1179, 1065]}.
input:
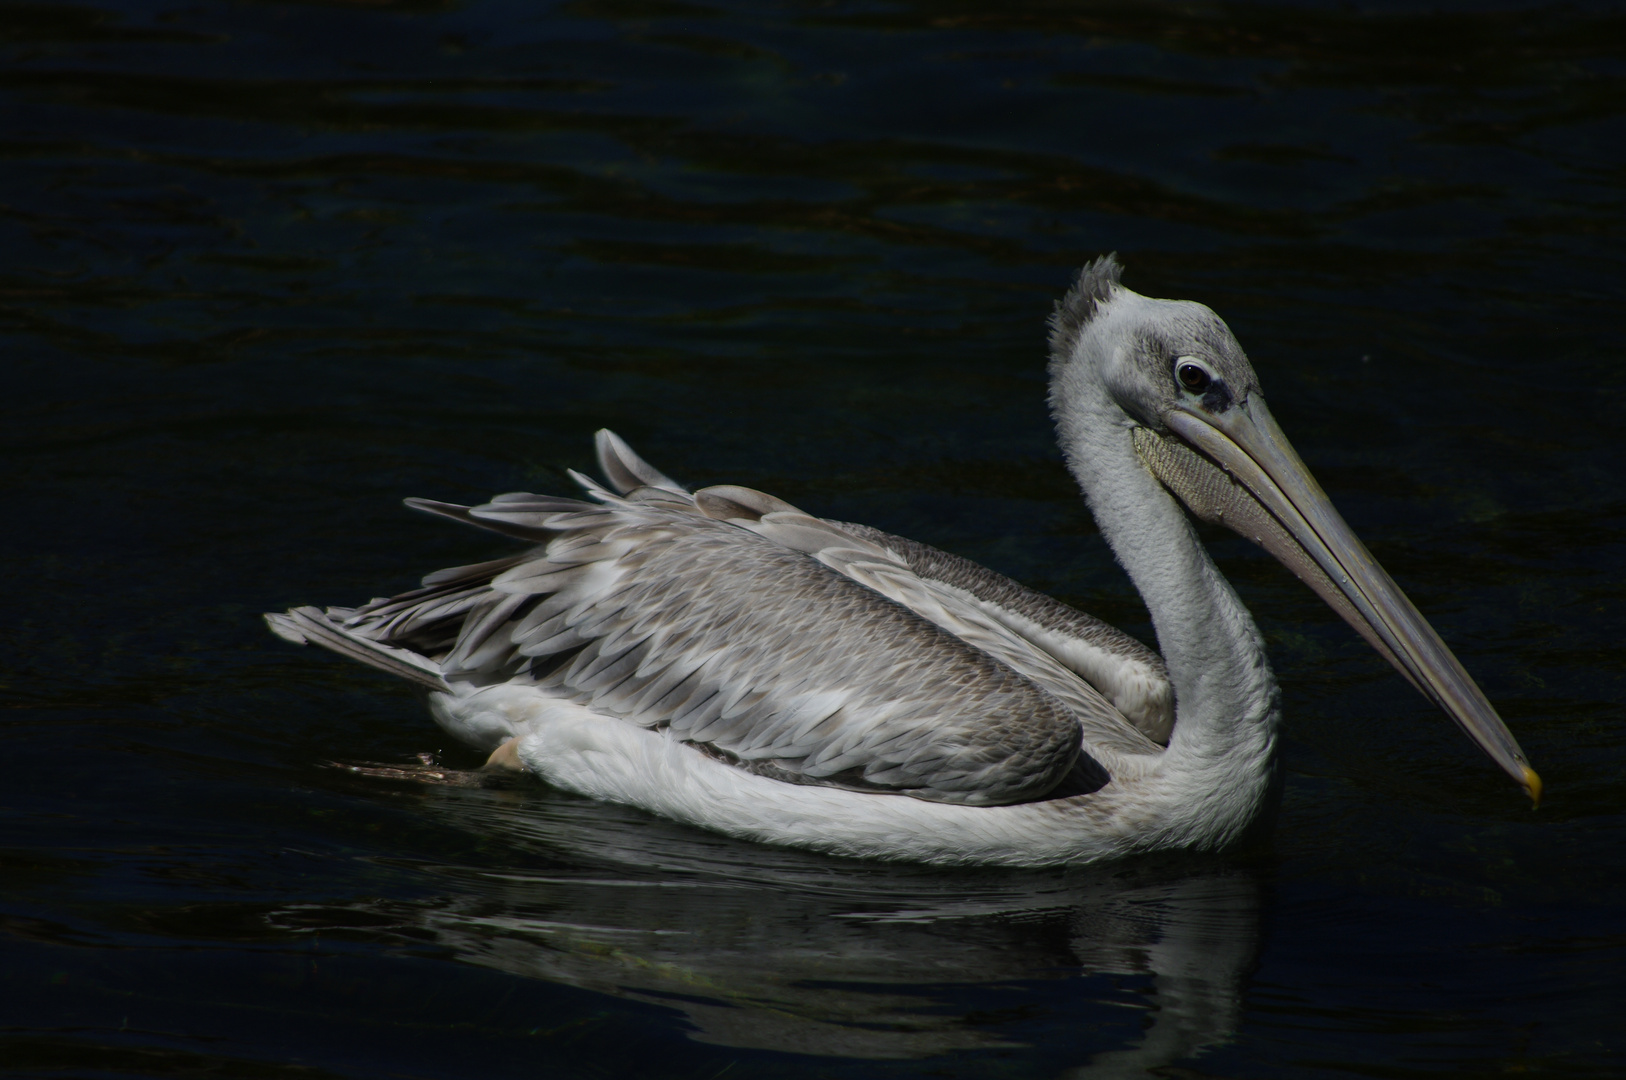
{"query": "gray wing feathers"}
{"type": "Point", "coordinates": [810, 651]}
{"type": "Point", "coordinates": [624, 469]}
{"type": "Point", "coordinates": [726, 638]}
{"type": "Point", "coordinates": [875, 565]}
{"type": "Point", "coordinates": [1128, 674]}
{"type": "Point", "coordinates": [1131, 676]}
{"type": "Point", "coordinates": [308, 624]}
{"type": "Point", "coordinates": [995, 588]}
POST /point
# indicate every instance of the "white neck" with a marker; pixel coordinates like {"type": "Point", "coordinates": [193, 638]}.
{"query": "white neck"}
{"type": "Point", "coordinates": [1226, 703]}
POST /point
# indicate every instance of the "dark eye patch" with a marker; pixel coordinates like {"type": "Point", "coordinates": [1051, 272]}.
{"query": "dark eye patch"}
{"type": "Point", "coordinates": [1218, 398]}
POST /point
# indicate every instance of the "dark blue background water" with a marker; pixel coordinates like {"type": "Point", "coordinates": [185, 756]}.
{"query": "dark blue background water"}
{"type": "Point", "coordinates": [267, 268]}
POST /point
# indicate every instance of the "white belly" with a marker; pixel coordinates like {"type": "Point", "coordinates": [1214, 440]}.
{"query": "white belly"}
{"type": "Point", "coordinates": [606, 757]}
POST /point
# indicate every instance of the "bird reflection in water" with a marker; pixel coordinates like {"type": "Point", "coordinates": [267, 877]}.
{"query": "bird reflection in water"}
{"type": "Point", "coordinates": [776, 949]}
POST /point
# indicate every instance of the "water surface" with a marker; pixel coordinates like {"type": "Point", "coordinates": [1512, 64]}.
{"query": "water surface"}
{"type": "Point", "coordinates": [267, 268]}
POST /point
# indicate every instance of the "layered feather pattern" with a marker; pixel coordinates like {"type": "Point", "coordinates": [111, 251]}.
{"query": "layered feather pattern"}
{"type": "Point", "coordinates": [790, 646]}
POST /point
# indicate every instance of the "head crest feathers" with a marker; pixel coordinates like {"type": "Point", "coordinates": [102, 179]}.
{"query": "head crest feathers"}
{"type": "Point", "coordinates": [1075, 310]}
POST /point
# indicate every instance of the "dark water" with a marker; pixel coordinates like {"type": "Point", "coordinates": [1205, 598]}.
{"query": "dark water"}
{"type": "Point", "coordinates": [267, 268]}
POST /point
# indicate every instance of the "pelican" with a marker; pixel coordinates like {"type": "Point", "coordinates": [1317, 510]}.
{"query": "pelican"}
{"type": "Point", "coordinates": [725, 659]}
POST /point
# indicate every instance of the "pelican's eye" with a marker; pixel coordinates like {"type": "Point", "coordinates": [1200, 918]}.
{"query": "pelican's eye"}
{"type": "Point", "coordinates": [1193, 378]}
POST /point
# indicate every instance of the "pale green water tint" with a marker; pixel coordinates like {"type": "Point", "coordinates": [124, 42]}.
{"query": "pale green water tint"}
{"type": "Point", "coordinates": [268, 268]}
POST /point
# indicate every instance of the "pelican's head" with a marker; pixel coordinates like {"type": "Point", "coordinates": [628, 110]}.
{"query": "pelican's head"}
{"type": "Point", "coordinates": [1199, 423]}
{"type": "Point", "coordinates": [1153, 357]}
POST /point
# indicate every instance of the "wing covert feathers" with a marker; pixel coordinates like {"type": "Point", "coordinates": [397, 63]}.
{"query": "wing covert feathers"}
{"type": "Point", "coordinates": [1128, 674]}
{"type": "Point", "coordinates": [811, 651]}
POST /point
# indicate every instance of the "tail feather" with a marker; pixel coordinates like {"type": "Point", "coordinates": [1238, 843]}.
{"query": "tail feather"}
{"type": "Point", "coordinates": [464, 515]}
{"type": "Point", "coordinates": [310, 625]}
{"type": "Point", "coordinates": [412, 635]}
{"type": "Point", "coordinates": [625, 470]}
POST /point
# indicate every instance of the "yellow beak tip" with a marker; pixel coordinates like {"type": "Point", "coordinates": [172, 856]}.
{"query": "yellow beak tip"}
{"type": "Point", "coordinates": [1532, 784]}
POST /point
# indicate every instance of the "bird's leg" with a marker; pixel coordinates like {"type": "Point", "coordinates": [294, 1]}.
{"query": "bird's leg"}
{"type": "Point", "coordinates": [503, 764]}
{"type": "Point", "coordinates": [505, 758]}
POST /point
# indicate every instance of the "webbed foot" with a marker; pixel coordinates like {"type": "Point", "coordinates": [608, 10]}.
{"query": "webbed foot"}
{"type": "Point", "coordinates": [499, 769]}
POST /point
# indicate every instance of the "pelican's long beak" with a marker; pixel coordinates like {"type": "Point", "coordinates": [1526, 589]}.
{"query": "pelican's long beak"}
{"type": "Point", "coordinates": [1246, 442]}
